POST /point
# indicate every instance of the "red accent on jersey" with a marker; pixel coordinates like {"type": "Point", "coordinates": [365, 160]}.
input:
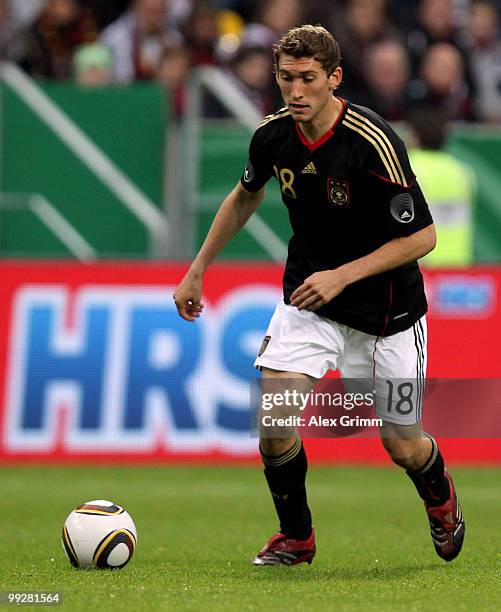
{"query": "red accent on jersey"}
{"type": "Point", "coordinates": [387, 180]}
{"type": "Point", "coordinates": [386, 321]}
{"type": "Point", "coordinates": [313, 146]}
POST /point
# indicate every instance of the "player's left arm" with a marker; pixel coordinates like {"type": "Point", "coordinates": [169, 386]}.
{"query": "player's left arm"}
{"type": "Point", "coordinates": [406, 218]}
{"type": "Point", "coordinates": [321, 287]}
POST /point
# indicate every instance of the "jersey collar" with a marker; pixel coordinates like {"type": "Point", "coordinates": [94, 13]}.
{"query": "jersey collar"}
{"type": "Point", "coordinates": [313, 146]}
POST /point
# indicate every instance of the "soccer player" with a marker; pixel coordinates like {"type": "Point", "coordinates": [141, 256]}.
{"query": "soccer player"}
{"type": "Point", "coordinates": [353, 291]}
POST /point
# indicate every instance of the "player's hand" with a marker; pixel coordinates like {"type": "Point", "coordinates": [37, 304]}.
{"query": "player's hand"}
{"type": "Point", "coordinates": [318, 289]}
{"type": "Point", "coordinates": [187, 297]}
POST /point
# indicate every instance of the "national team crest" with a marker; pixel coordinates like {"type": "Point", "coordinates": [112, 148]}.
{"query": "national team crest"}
{"type": "Point", "coordinates": [338, 192]}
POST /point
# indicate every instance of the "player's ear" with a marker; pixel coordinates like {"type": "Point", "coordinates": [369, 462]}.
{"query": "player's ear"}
{"type": "Point", "coordinates": [335, 78]}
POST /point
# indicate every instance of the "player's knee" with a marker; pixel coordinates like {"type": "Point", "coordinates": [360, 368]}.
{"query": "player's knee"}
{"type": "Point", "coordinates": [405, 453]}
{"type": "Point", "coordinates": [275, 446]}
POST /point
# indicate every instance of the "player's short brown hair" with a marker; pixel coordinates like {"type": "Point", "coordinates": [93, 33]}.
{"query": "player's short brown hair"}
{"type": "Point", "coordinates": [310, 41]}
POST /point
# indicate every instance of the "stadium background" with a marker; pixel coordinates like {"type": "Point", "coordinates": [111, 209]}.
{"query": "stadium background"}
{"type": "Point", "coordinates": [108, 188]}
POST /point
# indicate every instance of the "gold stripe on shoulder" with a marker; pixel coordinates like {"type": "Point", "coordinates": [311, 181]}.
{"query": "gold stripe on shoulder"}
{"type": "Point", "coordinates": [283, 112]}
{"type": "Point", "coordinates": [389, 147]}
{"type": "Point", "coordinates": [376, 144]}
{"type": "Point", "coordinates": [384, 149]}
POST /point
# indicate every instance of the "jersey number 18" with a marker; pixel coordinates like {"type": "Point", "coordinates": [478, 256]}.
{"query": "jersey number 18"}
{"type": "Point", "coordinates": [286, 177]}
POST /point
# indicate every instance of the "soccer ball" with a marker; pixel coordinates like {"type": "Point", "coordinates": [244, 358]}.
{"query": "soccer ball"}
{"type": "Point", "coordinates": [99, 534]}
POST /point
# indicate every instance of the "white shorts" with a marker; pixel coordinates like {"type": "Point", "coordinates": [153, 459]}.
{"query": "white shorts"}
{"type": "Point", "coordinates": [394, 366]}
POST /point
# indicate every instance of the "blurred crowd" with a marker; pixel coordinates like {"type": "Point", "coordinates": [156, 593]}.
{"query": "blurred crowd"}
{"type": "Point", "coordinates": [397, 55]}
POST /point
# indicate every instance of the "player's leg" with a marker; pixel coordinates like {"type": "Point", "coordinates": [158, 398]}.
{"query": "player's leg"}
{"type": "Point", "coordinates": [418, 453]}
{"type": "Point", "coordinates": [285, 468]}
{"type": "Point", "coordinates": [402, 361]}
{"type": "Point", "coordinates": [398, 365]}
{"type": "Point", "coordinates": [299, 348]}
{"type": "Point", "coordinates": [407, 445]}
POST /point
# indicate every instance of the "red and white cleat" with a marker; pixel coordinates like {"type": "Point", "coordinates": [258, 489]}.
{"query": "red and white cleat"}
{"type": "Point", "coordinates": [281, 550]}
{"type": "Point", "coordinates": [447, 525]}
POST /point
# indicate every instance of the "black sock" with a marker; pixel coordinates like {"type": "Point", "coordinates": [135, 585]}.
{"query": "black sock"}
{"type": "Point", "coordinates": [286, 477]}
{"type": "Point", "coordinates": [430, 480]}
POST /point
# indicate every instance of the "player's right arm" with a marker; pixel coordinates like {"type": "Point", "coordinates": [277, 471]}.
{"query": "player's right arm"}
{"type": "Point", "coordinates": [232, 215]}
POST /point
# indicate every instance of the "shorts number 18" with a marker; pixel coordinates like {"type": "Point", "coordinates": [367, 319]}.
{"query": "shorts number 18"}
{"type": "Point", "coordinates": [404, 403]}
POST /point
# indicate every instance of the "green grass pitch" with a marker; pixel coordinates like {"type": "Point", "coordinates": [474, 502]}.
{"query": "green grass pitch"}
{"type": "Point", "coordinates": [198, 527]}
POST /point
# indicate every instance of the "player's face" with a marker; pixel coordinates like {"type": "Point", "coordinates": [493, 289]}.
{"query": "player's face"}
{"type": "Point", "coordinates": [305, 86]}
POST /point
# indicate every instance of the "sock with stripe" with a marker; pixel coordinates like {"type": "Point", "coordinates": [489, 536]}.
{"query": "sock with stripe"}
{"type": "Point", "coordinates": [430, 480]}
{"type": "Point", "coordinates": [286, 477]}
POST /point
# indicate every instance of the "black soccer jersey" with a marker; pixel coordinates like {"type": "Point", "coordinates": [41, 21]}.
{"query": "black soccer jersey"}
{"type": "Point", "coordinates": [347, 194]}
